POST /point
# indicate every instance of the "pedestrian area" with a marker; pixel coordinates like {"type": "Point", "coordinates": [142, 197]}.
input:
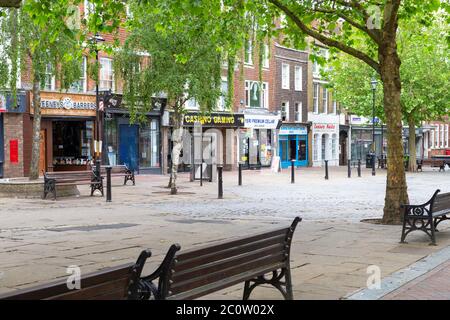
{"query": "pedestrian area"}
{"type": "Point", "coordinates": [331, 250]}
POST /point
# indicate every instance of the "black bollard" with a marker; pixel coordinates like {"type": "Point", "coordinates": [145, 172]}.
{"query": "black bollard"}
{"type": "Point", "coordinates": [349, 169]}
{"type": "Point", "coordinates": [292, 171]}
{"type": "Point", "coordinates": [97, 168]}
{"type": "Point", "coordinates": [326, 169]}
{"type": "Point", "coordinates": [373, 165]}
{"type": "Point", "coordinates": [240, 175]}
{"type": "Point", "coordinates": [108, 184]}
{"type": "Point", "coordinates": [359, 168]}
{"type": "Point", "coordinates": [201, 174]}
{"type": "Point", "coordinates": [220, 180]}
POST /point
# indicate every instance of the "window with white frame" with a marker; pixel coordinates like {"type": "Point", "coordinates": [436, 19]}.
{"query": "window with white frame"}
{"type": "Point", "coordinates": [81, 84]}
{"type": "Point", "coordinates": [432, 141]}
{"type": "Point", "coordinates": [192, 104]}
{"type": "Point", "coordinates": [285, 76]}
{"type": "Point", "coordinates": [298, 78]}
{"type": "Point", "coordinates": [49, 81]}
{"type": "Point", "coordinates": [316, 98]}
{"type": "Point", "coordinates": [249, 53]}
{"type": "Point", "coordinates": [446, 136]}
{"type": "Point", "coordinates": [325, 100]}
{"type": "Point", "coordinates": [298, 112]}
{"type": "Point", "coordinates": [89, 8]}
{"type": "Point", "coordinates": [333, 147]}
{"type": "Point", "coordinates": [334, 106]}
{"type": "Point", "coordinates": [223, 97]}
{"type": "Point", "coordinates": [316, 147]}
{"type": "Point", "coordinates": [442, 136]}
{"type": "Point", "coordinates": [256, 94]}
{"type": "Point", "coordinates": [285, 111]}
{"type": "Point", "coordinates": [266, 55]}
{"type": "Point", "coordinates": [106, 74]}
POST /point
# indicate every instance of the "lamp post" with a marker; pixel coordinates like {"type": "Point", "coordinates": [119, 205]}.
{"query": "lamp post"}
{"type": "Point", "coordinates": [373, 83]}
{"type": "Point", "coordinates": [97, 148]}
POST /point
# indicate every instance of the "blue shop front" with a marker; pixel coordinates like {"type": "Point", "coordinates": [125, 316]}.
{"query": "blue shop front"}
{"type": "Point", "coordinates": [293, 144]}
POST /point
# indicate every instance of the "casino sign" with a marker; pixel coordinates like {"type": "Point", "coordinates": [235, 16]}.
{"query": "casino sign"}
{"type": "Point", "coordinates": [229, 120]}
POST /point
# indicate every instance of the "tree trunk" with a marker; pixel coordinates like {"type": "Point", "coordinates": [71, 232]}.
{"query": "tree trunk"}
{"type": "Point", "coordinates": [396, 188]}
{"type": "Point", "coordinates": [36, 134]}
{"type": "Point", "coordinates": [412, 167]}
{"type": "Point", "coordinates": [176, 149]}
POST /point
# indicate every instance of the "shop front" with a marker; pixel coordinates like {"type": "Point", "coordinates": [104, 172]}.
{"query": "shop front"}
{"type": "Point", "coordinates": [325, 144]}
{"type": "Point", "coordinates": [293, 145]}
{"type": "Point", "coordinates": [257, 140]}
{"type": "Point", "coordinates": [134, 144]}
{"type": "Point", "coordinates": [67, 132]}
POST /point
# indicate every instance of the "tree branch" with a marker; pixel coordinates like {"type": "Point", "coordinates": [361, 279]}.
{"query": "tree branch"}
{"type": "Point", "coordinates": [390, 16]}
{"type": "Point", "coordinates": [326, 40]}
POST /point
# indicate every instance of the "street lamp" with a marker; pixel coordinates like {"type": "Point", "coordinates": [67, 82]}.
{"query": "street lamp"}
{"type": "Point", "coordinates": [97, 148]}
{"type": "Point", "coordinates": [373, 83]}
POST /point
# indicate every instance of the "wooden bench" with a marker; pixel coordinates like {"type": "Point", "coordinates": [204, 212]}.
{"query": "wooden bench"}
{"type": "Point", "coordinates": [434, 163]}
{"type": "Point", "coordinates": [427, 216]}
{"type": "Point", "coordinates": [54, 179]}
{"type": "Point", "coordinates": [194, 273]}
{"type": "Point", "coordinates": [419, 163]}
{"type": "Point", "coordinates": [119, 171]}
{"type": "Point", "coordinates": [117, 283]}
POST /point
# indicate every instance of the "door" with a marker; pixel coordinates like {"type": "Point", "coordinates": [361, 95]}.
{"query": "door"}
{"type": "Point", "coordinates": [128, 146]}
{"type": "Point", "coordinates": [293, 147]}
{"type": "Point", "coordinates": [42, 152]}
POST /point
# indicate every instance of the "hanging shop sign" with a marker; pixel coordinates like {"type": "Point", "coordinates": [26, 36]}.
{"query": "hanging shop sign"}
{"type": "Point", "coordinates": [215, 120]}
{"type": "Point", "coordinates": [261, 121]}
{"type": "Point", "coordinates": [292, 129]}
{"type": "Point", "coordinates": [7, 103]}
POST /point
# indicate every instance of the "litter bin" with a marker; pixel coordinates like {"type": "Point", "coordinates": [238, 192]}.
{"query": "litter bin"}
{"type": "Point", "coordinates": [370, 160]}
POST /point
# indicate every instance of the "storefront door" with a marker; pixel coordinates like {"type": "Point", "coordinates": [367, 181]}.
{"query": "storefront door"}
{"type": "Point", "coordinates": [293, 147]}
{"type": "Point", "coordinates": [128, 146]}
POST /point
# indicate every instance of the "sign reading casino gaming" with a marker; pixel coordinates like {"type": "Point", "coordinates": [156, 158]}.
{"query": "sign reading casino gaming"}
{"type": "Point", "coordinates": [67, 104]}
{"type": "Point", "coordinates": [215, 120]}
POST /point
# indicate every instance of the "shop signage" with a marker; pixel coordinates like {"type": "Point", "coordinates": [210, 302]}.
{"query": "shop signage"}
{"type": "Point", "coordinates": [7, 104]}
{"type": "Point", "coordinates": [261, 121]}
{"type": "Point", "coordinates": [68, 104]}
{"type": "Point", "coordinates": [324, 127]}
{"type": "Point", "coordinates": [293, 129]}
{"type": "Point", "coordinates": [214, 120]}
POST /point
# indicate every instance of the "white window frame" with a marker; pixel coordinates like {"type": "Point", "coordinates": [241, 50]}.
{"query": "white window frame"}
{"type": "Point", "coordinates": [285, 110]}
{"type": "Point", "coordinates": [101, 73]}
{"type": "Point", "coordinates": [334, 107]}
{"type": "Point", "coordinates": [248, 59]}
{"type": "Point", "coordinates": [52, 80]}
{"type": "Point", "coordinates": [298, 78]}
{"type": "Point", "coordinates": [266, 55]}
{"type": "Point", "coordinates": [446, 136]}
{"type": "Point", "coordinates": [298, 108]}
{"type": "Point", "coordinates": [285, 76]}
{"type": "Point", "coordinates": [264, 91]}
{"type": "Point", "coordinates": [324, 100]}
{"type": "Point", "coordinates": [442, 136]}
{"type": "Point", "coordinates": [88, 8]}
{"type": "Point", "coordinates": [221, 103]}
{"type": "Point", "coordinates": [432, 138]}
{"type": "Point", "coordinates": [316, 89]}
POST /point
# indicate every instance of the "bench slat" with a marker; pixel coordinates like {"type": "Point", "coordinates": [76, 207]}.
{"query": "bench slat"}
{"type": "Point", "coordinates": [189, 254]}
{"type": "Point", "coordinates": [224, 264]}
{"type": "Point", "coordinates": [441, 202]}
{"type": "Point", "coordinates": [114, 288]}
{"type": "Point", "coordinates": [225, 283]}
{"type": "Point", "coordinates": [181, 265]}
{"type": "Point", "coordinates": [226, 273]}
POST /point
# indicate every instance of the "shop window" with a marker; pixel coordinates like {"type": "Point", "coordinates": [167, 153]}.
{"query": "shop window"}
{"type": "Point", "coordinates": [324, 147]}
{"type": "Point", "coordinates": [106, 74]}
{"type": "Point", "coordinates": [149, 145]}
{"type": "Point", "coordinates": [72, 143]}
{"type": "Point", "coordinates": [111, 140]}
{"type": "Point", "coordinates": [334, 147]}
{"type": "Point", "coordinates": [316, 148]}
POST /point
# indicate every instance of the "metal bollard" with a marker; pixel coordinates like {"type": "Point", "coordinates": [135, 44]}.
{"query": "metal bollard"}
{"type": "Point", "coordinates": [373, 166]}
{"type": "Point", "coordinates": [97, 167]}
{"type": "Point", "coordinates": [240, 175]}
{"type": "Point", "coordinates": [220, 180]}
{"type": "Point", "coordinates": [349, 168]}
{"type": "Point", "coordinates": [359, 168]}
{"type": "Point", "coordinates": [292, 171]}
{"type": "Point", "coordinates": [326, 169]}
{"type": "Point", "coordinates": [201, 174]}
{"type": "Point", "coordinates": [108, 184]}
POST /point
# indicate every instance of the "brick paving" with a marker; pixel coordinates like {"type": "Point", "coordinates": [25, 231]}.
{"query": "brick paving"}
{"type": "Point", "coordinates": [331, 247]}
{"type": "Point", "coordinates": [433, 285]}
